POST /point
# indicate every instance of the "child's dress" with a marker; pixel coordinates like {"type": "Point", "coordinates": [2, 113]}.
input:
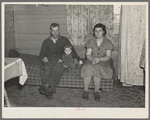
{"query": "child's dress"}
{"type": "Point", "coordinates": [68, 61]}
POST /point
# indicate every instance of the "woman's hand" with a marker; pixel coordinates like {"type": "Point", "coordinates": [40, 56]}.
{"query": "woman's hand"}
{"type": "Point", "coordinates": [45, 59]}
{"type": "Point", "coordinates": [95, 60]}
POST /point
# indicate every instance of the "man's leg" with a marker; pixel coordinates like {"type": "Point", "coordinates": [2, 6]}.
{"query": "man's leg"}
{"type": "Point", "coordinates": [45, 74]}
{"type": "Point", "coordinates": [56, 78]}
{"type": "Point", "coordinates": [56, 75]}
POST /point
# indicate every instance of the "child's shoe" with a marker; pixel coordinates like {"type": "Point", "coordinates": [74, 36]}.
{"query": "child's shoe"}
{"type": "Point", "coordinates": [65, 69]}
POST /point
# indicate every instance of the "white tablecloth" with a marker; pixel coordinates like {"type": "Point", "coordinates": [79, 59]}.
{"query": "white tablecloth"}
{"type": "Point", "coordinates": [15, 67]}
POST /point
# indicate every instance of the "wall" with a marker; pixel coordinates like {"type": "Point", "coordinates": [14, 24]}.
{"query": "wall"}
{"type": "Point", "coordinates": [32, 25]}
{"type": "Point", "coordinates": [9, 29]}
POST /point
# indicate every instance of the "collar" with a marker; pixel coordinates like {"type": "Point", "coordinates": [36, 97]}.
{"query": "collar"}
{"type": "Point", "coordinates": [95, 41]}
{"type": "Point", "coordinates": [52, 40]}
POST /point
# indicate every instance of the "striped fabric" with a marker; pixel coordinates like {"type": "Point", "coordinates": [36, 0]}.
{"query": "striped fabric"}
{"type": "Point", "coordinates": [69, 79]}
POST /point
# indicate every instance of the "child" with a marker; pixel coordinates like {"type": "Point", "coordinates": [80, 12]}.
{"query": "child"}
{"type": "Point", "coordinates": [69, 59]}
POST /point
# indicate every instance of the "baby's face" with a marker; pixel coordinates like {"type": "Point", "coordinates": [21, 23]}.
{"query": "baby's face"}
{"type": "Point", "coordinates": [67, 51]}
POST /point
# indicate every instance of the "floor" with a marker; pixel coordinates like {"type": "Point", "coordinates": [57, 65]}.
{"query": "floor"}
{"type": "Point", "coordinates": [29, 96]}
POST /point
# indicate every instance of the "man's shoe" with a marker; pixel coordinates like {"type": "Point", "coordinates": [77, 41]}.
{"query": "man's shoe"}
{"type": "Point", "coordinates": [96, 96]}
{"type": "Point", "coordinates": [52, 88]}
{"type": "Point", "coordinates": [85, 95]}
{"type": "Point", "coordinates": [42, 89]}
{"type": "Point", "coordinates": [49, 96]}
{"type": "Point", "coordinates": [41, 92]}
{"type": "Point", "coordinates": [49, 93]}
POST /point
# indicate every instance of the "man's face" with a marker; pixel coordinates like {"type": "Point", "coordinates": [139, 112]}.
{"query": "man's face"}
{"type": "Point", "coordinates": [68, 51]}
{"type": "Point", "coordinates": [54, 31]}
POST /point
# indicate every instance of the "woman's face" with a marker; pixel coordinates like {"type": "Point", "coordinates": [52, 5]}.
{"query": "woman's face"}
{"type": "Point", "coordinates": [99, 32]}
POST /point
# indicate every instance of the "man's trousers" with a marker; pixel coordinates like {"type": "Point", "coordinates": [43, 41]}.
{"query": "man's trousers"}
{"type": "Point", "coordinates": [51, 73]}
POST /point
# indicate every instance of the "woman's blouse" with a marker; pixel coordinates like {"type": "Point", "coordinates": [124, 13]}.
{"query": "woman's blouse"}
{"type": "Point", "coordinates": [99, 50]}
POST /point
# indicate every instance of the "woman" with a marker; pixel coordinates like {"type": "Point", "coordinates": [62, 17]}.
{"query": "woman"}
{"type": "Point", "coordinates": [99, 50]}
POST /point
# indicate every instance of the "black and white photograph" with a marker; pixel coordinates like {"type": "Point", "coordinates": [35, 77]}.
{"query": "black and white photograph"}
{"type": "Point", "coordinates": [75, 59]}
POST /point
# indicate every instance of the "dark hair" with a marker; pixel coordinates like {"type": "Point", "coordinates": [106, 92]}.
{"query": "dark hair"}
{"type": "Point", "coordinates": [68, 46]}
{"type": "Point", "coordinates": [54, 25]}
{"type": "Point", "coordinates": [99, 25]}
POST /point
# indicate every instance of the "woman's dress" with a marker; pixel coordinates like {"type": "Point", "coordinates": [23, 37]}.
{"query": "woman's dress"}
{"type": "Point", "coordinates": [101, 69]}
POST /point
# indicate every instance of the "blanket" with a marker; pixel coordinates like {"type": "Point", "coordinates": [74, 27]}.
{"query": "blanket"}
{"type": "Point", "coordinates": [72, 78]}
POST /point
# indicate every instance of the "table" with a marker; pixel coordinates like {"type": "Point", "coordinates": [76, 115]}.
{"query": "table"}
{"type": "Point", "coordinates": [14, 67]}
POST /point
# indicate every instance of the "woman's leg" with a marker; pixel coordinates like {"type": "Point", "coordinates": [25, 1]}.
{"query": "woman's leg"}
{"type": "Point", "coordinates": [86, 87]}
{"type": "Point", "coordinates": [86, 83]}
{"type": "Point", "coordinates": [97, 83]}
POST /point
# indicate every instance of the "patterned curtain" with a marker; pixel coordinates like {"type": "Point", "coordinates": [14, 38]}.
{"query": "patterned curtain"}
{"type": "Point", "coordinates": [132, 37]}
{"type": "Point", "coordinates": [102, 14]}
{"type": "Point", "coordinates": [77, 23]}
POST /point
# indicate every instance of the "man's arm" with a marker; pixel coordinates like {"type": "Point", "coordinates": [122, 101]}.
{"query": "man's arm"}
{"type": "Point", "coordinates": [42, 52]}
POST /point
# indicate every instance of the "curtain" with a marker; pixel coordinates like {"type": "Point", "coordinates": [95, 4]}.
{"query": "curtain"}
{"type": "Point", "coordinates": [77, 23]}
{"type": "Point", "coordinates": [132, 37]}
{"type": "Point", "coordinates": [82, 18]}
{"type": "Point", "coordinates": [102, 14]}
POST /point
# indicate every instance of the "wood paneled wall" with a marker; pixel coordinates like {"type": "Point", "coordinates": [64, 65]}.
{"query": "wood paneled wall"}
{"type": "Point", "coordinates": [32, 25]}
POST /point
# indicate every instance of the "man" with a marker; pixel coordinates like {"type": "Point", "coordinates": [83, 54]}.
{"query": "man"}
{"type": "Point", "coordinates": [51, 51]}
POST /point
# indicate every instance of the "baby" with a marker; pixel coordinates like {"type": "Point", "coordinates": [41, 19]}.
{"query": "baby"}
{"type": "Point", "coordinates": [69, 60]}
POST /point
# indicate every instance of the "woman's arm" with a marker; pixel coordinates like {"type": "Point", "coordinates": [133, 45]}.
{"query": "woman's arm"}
{"type": "Point", "coordinates": [105, 58]}
{"type": "Point", "coordinates": [89, 54]}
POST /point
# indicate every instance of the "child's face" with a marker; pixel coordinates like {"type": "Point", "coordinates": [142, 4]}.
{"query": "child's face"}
{"type": "Point", "coordinates": [67, 51]}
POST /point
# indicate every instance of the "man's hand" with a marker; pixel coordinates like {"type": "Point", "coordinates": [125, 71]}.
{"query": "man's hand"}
{"type": "Point", "coordinates": [95, 60]}
{"type": "Point", "coordinates": [59, 61]}
{"type": "Point", "coordinates": [45, 59]}
{"type": "Point", "coordinates": [80, 62]}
